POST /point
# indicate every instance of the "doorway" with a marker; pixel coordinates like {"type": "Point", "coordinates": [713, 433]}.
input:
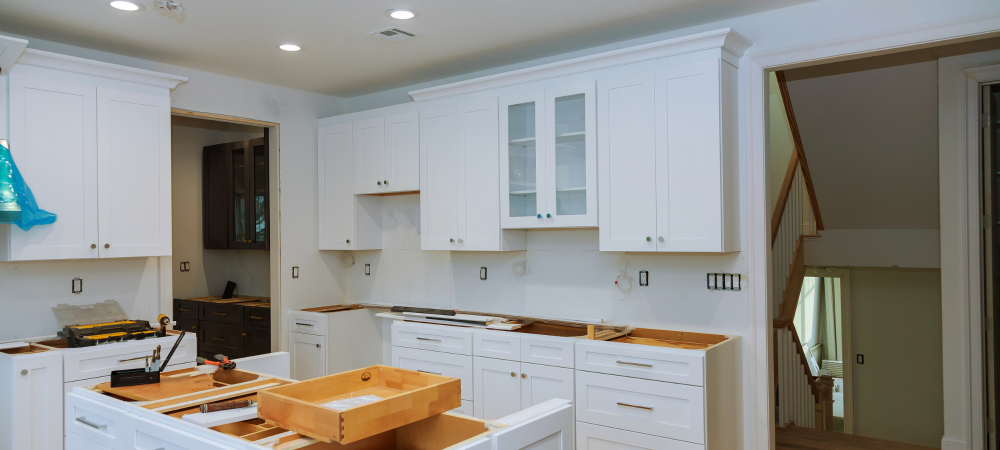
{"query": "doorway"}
{"type": "Point", "coordinates": [823, 318]}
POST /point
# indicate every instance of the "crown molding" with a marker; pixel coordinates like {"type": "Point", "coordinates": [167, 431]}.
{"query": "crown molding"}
{"type": "Point", "coordinates": [726, 39]}
{"type": "Point", "coordinates": [66, 63]}
{"type": "Point", "coordinates": [10, 49]}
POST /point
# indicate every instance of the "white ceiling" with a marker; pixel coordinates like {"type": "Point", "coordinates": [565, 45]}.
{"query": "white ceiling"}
{"type": "Point", "coordinates": [239, 38]}
{"type": "Point", "coordinates": [871, 140]}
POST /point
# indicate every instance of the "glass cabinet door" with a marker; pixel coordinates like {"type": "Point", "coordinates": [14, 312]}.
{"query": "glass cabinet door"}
{"type": "Point", "coordinates": [571, 188]}
{"type": "Point", "coordinates": [248, 198]}
{"type": "Point", "coordinates": [239, 195]}
{"type": "Point", "coordinates": [522, 164]}
{"type": "Point", "coordinates": [257, 216]}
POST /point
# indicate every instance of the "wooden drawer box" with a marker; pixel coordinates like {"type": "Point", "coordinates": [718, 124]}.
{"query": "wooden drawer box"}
{"type": "Point", "coordinates": [407, 397]}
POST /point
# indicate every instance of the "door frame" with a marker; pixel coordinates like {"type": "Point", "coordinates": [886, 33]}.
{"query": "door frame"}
{"type": "Point", "coordinates": [274, 221]}
{"type": "Point", "coordinates": [754, 69]}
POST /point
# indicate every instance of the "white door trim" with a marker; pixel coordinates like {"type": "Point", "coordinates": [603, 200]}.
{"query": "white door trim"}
{"type": "Point", "coordinates": [754, 71]}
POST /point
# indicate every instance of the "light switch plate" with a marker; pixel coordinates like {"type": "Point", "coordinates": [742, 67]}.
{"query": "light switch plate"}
{"type": "Point", "coordinates": [77, 285]}
{"type": "Point", "coordinates": [295, 271]}
{"type": "Point", "coordinates": [482, 273]}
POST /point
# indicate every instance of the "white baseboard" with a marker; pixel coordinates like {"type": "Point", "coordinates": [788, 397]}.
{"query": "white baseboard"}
{"type": "Point", "coordinates": [948, 443]}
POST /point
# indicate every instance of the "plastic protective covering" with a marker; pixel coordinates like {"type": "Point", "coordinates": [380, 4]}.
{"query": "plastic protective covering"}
{"type": "Point", "coordinates": [17, 205]}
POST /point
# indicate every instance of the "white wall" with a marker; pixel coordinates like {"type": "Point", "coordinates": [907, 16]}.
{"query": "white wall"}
{"type": "Point", "coordinates": [875, 248]}
{"type": "Point", "coordinates": [210, 269]}
{"type": "Point", "coordinates": [780, 142]}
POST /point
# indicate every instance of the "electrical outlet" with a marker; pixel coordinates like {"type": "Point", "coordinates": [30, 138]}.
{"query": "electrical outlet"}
{"type": "Point", "coordinates": [77, 285]}
{"type": "Point", "coordinates": [482, 273]}
{"type": "Point", "coordinates": [295, 271]}
{"type": "Point", "coordinates": [861, 358]}
{"type": "Point", "coordinates": [643, 278]}
{"type": "Point", "coordinates": [368, 269]}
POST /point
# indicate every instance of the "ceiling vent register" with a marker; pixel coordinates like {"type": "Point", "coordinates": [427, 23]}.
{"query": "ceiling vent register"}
{"type": "Point", "coordinates": [394, 34]}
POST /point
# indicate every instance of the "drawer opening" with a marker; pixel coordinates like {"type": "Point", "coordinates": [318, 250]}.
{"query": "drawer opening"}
{"type": "Point", "coordinates": [333, 308]}
{"type": "Point", "coordinates": [672, 339]}
{"type": "Point", "coordinates": [406, 396]}
{"type": "Point", "coordinates": [27, 349]}
{"type": "Point", "coordinates": [54, 343]}
{"type": "Point", "coordinates": [548, 329]}
{"type": "Point", "coordinates": [183, 385]}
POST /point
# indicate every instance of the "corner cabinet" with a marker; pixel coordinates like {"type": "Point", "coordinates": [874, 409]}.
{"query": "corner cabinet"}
{"type": "Point", "coordinates": [667, 155]}
{"type": "Point", "coordinates": [548, 163]}
{"type": "Point", "coordinates": [96, 156]}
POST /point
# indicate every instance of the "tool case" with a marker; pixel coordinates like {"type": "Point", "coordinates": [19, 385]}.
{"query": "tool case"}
{"type": "Point", "coordinates": [100, 323]}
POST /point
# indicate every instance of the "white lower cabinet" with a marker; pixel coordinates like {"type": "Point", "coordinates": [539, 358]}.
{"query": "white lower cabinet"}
{"type": "Point", "coordinates": [31, 406]}
{"type": "Point", "coordinates": [438, 363]}
{"type": "Point", "coordinates": [542, 383]}
{"type": "Point", "coordinates": [143, 434]}
{"type": "Point", "coordinates": [505, 387]}
{"type": "Point", "coordinates": [467, 409]}
{"type": "Point", "coordinates": [96, 422]}
{"type": "Point", "coordinates": [596, 437]}
{"type": "Point", "coordinates": [308, 355]}
{"type": "Point", "coordinates": [75, 442]}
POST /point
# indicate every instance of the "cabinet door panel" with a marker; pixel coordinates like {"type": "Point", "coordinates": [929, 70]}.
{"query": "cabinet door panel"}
{"type": "Point", "coordinates": [144, 434]}
{"type": "Point", "coordinates": [215, 198]}
{"type": "Point", "coordinates": [53, 140]}
{"type": "Point", "coordinates": [522, 161]}
{"type": "Point", "coordinates": [336, 187]}
{"type": "Point", "coordinates": [308, 356]}
{"type": "Point", "coordinates": [497, 386]}
{"type": "Point", "coordinates": [442, 165]}
{"type": "Point", "coordinates": [571, 155]}
{"type": "Point", "coordinates": [594, 437]}
{"type": "Point", "coordinates": [133, 148]}
{"type": "Point", "coordinates": [438, 363]}
{"type": "Point", "coordinates": [369, 148]}
{"type": "Point", "coordinates": [402, 152]}
{"type": "Point", "coordinates": [542, 383]}
{"type": "Point", "coordinates": [479, 188]}
{"type": "Point", "coordinates": [627, 156]}
{"type": "Point", "coordinates": [38, 394]}
{"type": "Point", "coordinates": [688, 158]}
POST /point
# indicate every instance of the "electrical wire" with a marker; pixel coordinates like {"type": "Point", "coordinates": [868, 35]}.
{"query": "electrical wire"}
{"type": "Point", "coordinates": [347, 256]}
{"type": "Point", "coordinates": [520, 266]}
{"type": "Point", "coordinates": [623, 279]}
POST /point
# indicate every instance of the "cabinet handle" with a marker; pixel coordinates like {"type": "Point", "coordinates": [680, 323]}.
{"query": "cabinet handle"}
{"type": "Point", "coordinates": [257, 317]}
{"type": "Point", "coordinates": [107, 245]}
{"type": "Point", "coordinates": [524, 375]}
{"type": "Point", "coordinates": [460, 240]}
{"type": "Point", "coordinates": [426, 339]}
{"type": "Point", "coordinates": [386, 182]}
{"type": "Point", "coordinates": [218, 339]}
{"type": "Point", "coordinates": [512, 374]}
{"type": "Point", "coordinates": [132, 359]}
{"type": "Point", "coordinates": [93, 245]}
{"type": "Point", "coordinates": [648, 239]}
{"type": "Point", "coordinates": [548, 216]}
{"type": "Point", "coordinates": [539, 215]}
{"type": "Point", "coordinates": [244, 334]}
{"type": "Point", "coordinates": [378, 183]}
{"type": "Point", "coordinates": [84, 421]}
{"type": "Point", "coordinates": [348, 241]}
{"type": "Point", "coordinates": [24, 371]}
{"type": "Point", "coordinates": [303, 324]}
{"type": "Point", "coordinates": [219, 313]}
{"type": "Point", "coordinates": [184, 309]}
{"type": "Point", "coordinates": [317, 345]}
{"type": "Point", "coordinates": [427, 371]}
{"type": "Point", "coordinates": [451, 240]}
{"type": "Point", "coordinates": [660, 238]}
{"type": "Point", "coordinates": [647, 408]}
{"type": "Point", "coordinates": [635, 364]}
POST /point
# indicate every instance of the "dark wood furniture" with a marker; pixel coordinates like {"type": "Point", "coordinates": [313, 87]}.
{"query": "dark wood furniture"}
{"type": "Point", "coordinates": [236, 195]}
{"type": "Point", "coordinates": [236, 327]}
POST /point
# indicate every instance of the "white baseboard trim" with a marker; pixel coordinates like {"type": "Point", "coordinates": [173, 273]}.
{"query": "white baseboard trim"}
{"type": "Point", "coordinates": [949, 443]}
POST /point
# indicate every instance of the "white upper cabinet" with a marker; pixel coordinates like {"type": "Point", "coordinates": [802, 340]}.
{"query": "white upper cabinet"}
{"type": "Point", "coordinates": [667, 156]}
{"type": "Point", "coordinates": [387, 154]}
{"type": "Point", "coordinates": [97, 157]}
{"type": "Point", "coordinates": [369, 155]}
{"type": "Point", "coordinates": [440, 161]}
{"type": "Point", "coordinates": [549, 165]}
{"type": "Point", "coordinates": [336, 187]}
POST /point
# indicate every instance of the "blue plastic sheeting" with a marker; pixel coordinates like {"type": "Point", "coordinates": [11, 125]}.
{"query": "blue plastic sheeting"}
{"type": "Point", "coordinates": [17, 204]}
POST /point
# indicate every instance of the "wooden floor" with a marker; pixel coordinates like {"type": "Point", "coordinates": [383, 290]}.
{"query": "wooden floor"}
{"type": "Point", "coordinates": [799, 438]}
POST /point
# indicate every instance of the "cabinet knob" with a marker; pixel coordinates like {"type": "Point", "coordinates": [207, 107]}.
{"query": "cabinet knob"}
{"type": "Point", "coordinates": [524, 375]}
{"type": "Point", "coordinates": [660, 238]}
{"type": "Point", "coordinates": [539, 216]}
{"type": "Point", "coordinates": [24, 371]}
{"type": "Point", "coordinates": [386, 182]}
{"type": "Point", "coordinates": [317, 345]}
{"type": "Point", "coordinates": [460, 240]}
{"type": "Point", "coordinates": [378, 183]}
{"type": "Point", "coordinates": [107, 245]}
{"type": "Point", "coordinates": [93, 245]}
{"type": "Point", "coordinates": [451, 240]}
{"type": "Point", "coordinates": [648, 239]}
{"type": "Point", "coordinates": [348, 241]}
{"type": "Point", "coordinates": [548, 216]}
{"type": "Point", "coordinates": [513, 374]}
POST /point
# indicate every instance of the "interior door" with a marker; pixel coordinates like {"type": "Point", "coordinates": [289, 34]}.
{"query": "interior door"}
{"type": "Point", "coordinates": [369, 149]}
{"type": "Point", "coordinates": [336, 187]}
{"type": "Point", "coordinates": [688, 158]}
{"type": "Point", "coordinates": [626, 153]}
{"type": "Point", "coordinates": [542, 383]}
{"type": "Point", "coordinates": [571, 155]}
{"type": "Point", "coordinates": [497, 385]}
{"type": "Point", "coordinates": [53, 141]}
{"type": "Point", "coordinates": [479, 188]}
{"type": "Point", "coordinates": [308, 356]}
{"type": "Point", "coordinates": [133, 183]}
{"type": "Point", "coordinates": [442, 165]}
{"type": "Point", "coordinates": [522, 160]}
{"type": "Point", "coordinates": [402, 152]}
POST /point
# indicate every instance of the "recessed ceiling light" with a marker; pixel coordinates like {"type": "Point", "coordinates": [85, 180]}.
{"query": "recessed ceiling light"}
{"type": "Point", "coordinates": [290, 47]}
{"type": "Point", "coordinates": [126, 5]}
{"type": "Point", "coordinates": [401, 14]}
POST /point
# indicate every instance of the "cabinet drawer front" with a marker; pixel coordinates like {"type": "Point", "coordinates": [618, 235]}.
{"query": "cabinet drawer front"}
{"type": "Point", "coordinates": [547, 351]}
{"type": "Point", "coordinates": [669, 410]}
{"type": "Point", "coordinates": [188, 325]}
{"type": "Point", "coordinates": [447, 364]}
{"type": "Point", "coordinates": [185, 309]}
{"type": "Point", "coordinates": [257, 317]}
{"type": "Point", "coordinates": [430, 337]}
{"type": "Point", "coordinates": [596, 437]}
{"type": "Point", "coordinates": [99, 361]}
{"type": "Point", "coordinates": [307, 323]}
{"type": "Point", "coordinates": [221, 313]}
{"type": "Point", "coordinates": [96, 422]}
{"type": "Point", "coordinates": [651, 363]}
{"type": "Point", "coordinates": [222, 338]}
{"type": "Point", "coordinates": [143, 434]}
{"type": "Point", "coordinates": [496, 344]}
{"type": "Point", "coordinates": [256, 341]}
{"type": "Point", "coordinates": [75, 442]}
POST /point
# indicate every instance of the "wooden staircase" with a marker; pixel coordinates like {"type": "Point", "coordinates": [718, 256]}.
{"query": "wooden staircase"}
{"type": "Point", "coordinates": [803, 398]}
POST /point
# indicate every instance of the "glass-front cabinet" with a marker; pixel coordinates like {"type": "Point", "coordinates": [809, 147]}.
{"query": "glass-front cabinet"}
{"type": "Point", "coordinates": [549, 170]}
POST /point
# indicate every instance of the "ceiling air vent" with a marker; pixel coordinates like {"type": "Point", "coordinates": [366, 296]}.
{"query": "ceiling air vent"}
{"type": "Point", "coordinates": [394, 34]}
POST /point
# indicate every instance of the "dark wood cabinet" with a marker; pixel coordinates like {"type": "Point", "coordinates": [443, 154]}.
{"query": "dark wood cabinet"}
{"type": "Point", "coordinates": [237, 327]}
{"type": "Point", "coordinates": [236, 195]}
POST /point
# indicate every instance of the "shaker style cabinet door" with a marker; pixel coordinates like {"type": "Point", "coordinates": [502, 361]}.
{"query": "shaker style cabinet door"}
{"type": "Point", "coordinates": [308, 355]}
{"type": "Point", "coordinates": [479, 186]}
{"type": "Point", "coordinates": [402, 152]}
{"type": "Point", "coordinates": [570, 156]}
{"type": "Point", "coordinates": [38, 398]}
{"type": "Point", "coordinates": [336, 187]}
{"type": "Point", "coordinates": [626, 151]}
{"type": "Point", "coordinates": [369, 150]}
{"type": "Point", "coordinates": [522, 160]}
{"type": "Point", "coordinates": [133, 183]}
{"type": "Point", "coordinates": [497, 385]}
{"type": "Point", "coordinates": [441, 162]}
{"type": "Point", "coordinates": [53, 140]}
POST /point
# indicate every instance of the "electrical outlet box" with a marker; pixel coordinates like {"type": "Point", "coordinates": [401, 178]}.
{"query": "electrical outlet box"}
{"type": "Point", "coordinates": [186, 266]}
{"type": "Point", "coordinates": [482, 273]}
{"type": "Point", "coordinates": [77, 285]}
{"type": "Point", "coordinates": [643, 278]}
{"type": "Point", "coordinates": [368, 269]}
{"type": "Point", "coordinates": [295, 272]}
{"type": "Point", "coordinates": [861, 358]}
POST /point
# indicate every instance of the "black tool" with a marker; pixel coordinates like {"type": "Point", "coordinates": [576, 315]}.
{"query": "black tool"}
{"type": "Point", "coordinates": [410, 309]}
{"type": "Point", "coordinates": [230, 289]}
{"type": "Point", "coordinates": [166, 361]}
{"type": "Point", "coordinates": [136, 377]}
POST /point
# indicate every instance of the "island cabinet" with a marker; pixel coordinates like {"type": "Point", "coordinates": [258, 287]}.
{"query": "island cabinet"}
{"type": "Point", "coordinates": [92, 141]}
